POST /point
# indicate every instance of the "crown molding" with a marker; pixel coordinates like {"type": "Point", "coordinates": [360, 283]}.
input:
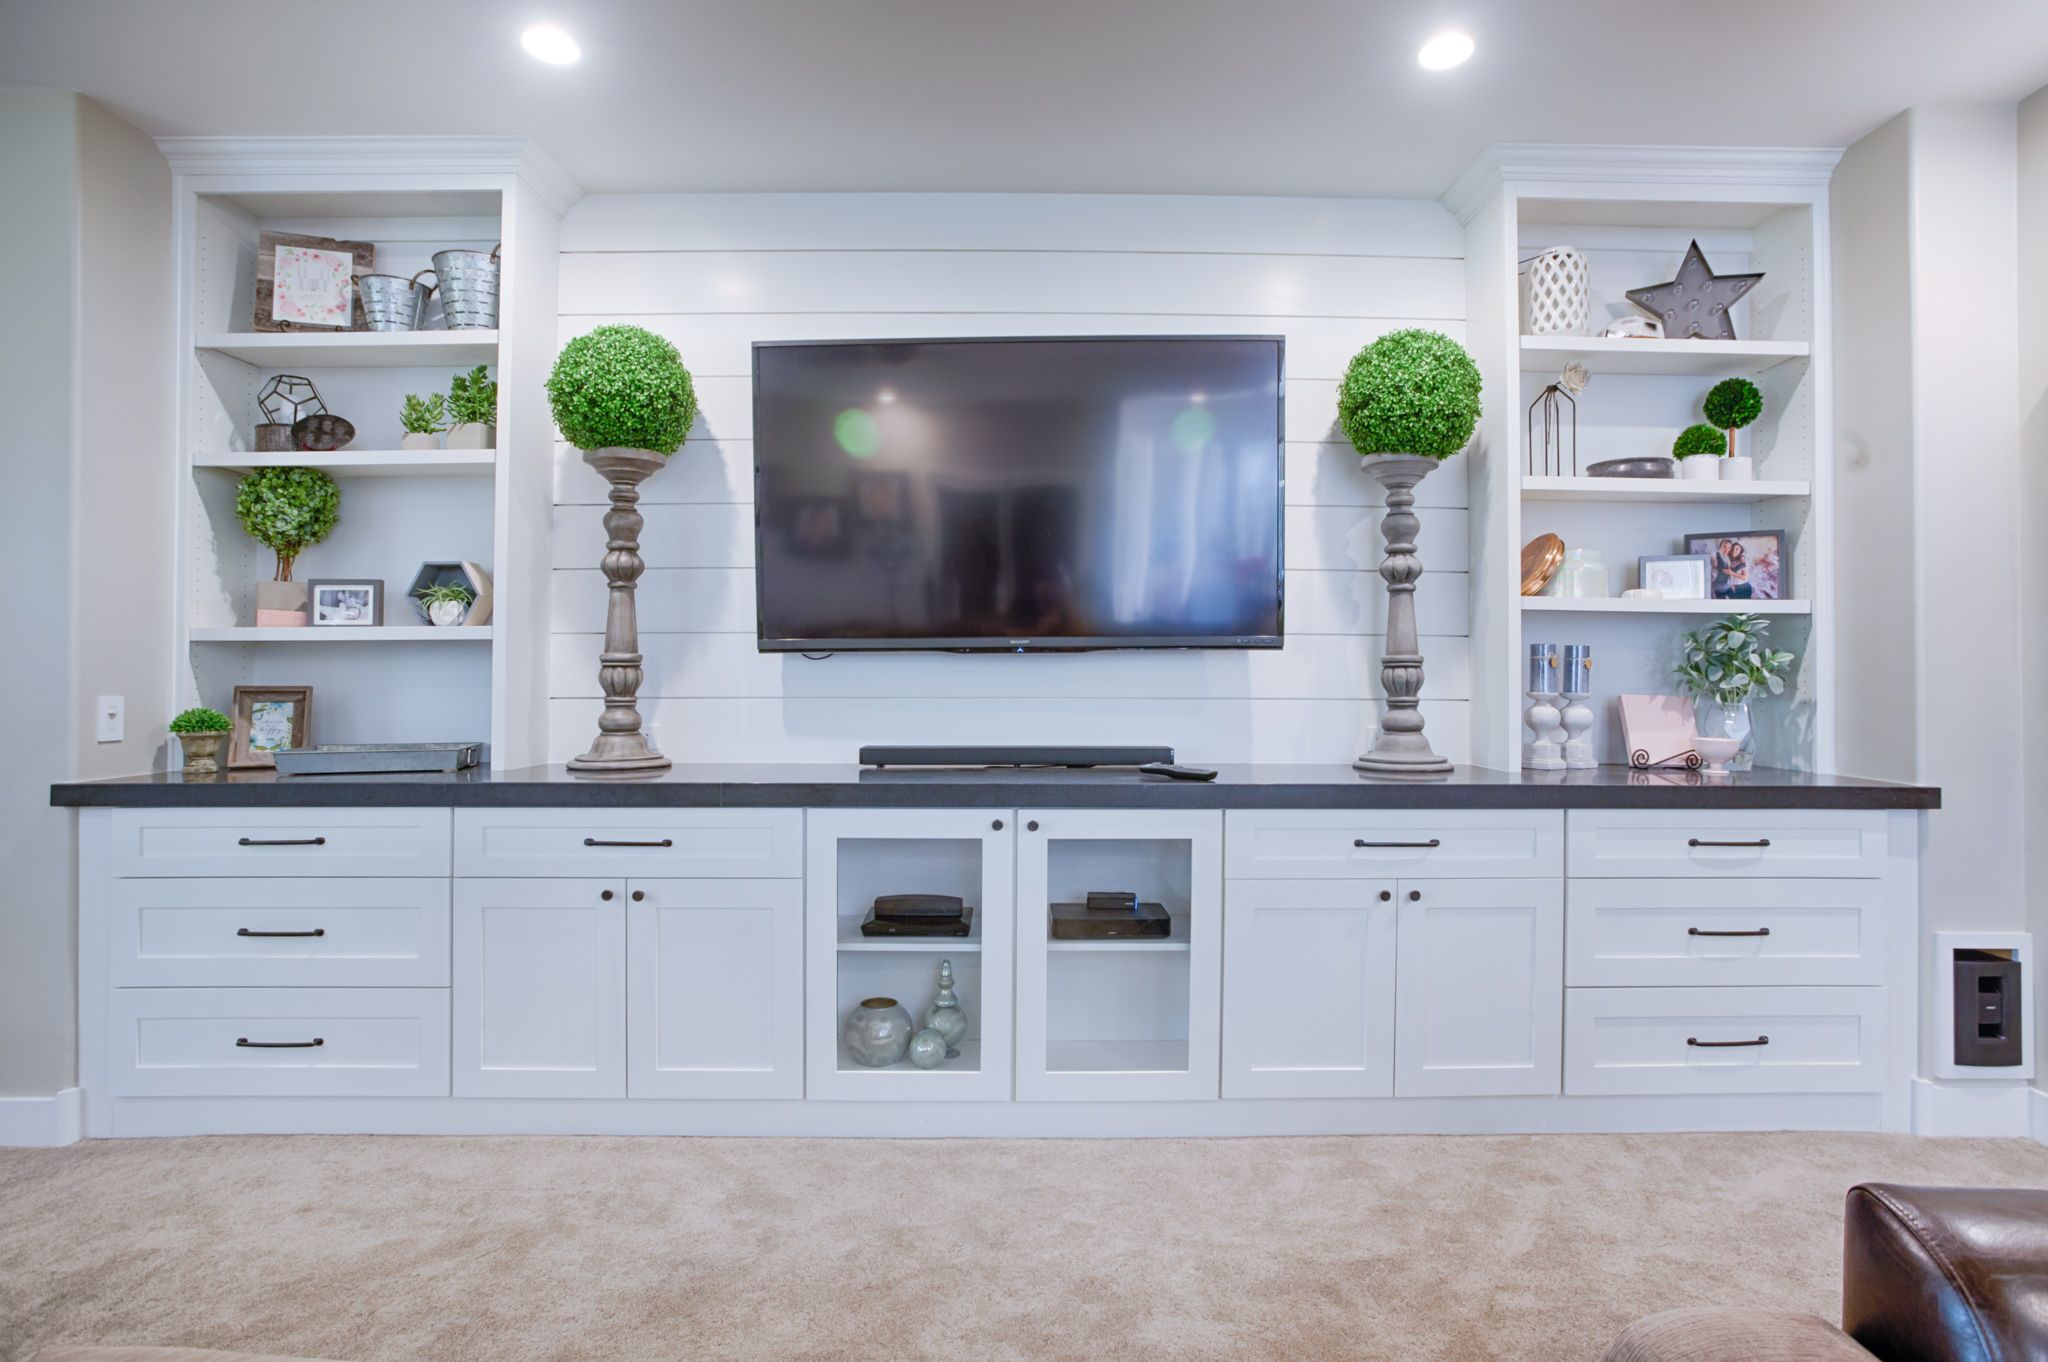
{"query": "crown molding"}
{"type": "Point", "coordinates": [1546, 162]}
{"type": "Point", "coordinates": [517, 156]}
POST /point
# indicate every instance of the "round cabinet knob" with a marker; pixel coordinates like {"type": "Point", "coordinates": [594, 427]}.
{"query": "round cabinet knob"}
{"type": "Point", "coordinates": [639, 896]}
{"type": "Point", "coordinates": [1032, 825]}
{"type": "Point", "coordinates": [1386, 895]}
{"type": "Point", "coordinates": [997, 825]}
{"type": "Point", "coordinates": [1415, 896]}
{"type": "Point", "coordinates": [606, 896]}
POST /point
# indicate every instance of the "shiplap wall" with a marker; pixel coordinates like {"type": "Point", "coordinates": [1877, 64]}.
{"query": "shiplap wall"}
{"type": "Point", "coordinates": [714, 273]}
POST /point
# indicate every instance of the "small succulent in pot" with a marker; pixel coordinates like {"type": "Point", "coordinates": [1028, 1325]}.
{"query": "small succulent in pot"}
{"type": "Point", "coordinates": [473, 410]}
{"type": "Point", "coordinates": [200, 733]}
{"type": "Point", "coordinates": [423, 418]}
{"type": "Point", "coordinates": [446, 603]}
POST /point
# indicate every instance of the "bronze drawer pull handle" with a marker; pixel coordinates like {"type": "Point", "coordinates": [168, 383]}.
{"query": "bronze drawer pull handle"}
{"type": "Point", "coordinates": [1759, 842]}
{"type": "Point", "coordinates": [1725, 1044]}
{"type": "Point", "coordinates": [1702, 931]}
{"type": "Point", "coordinates": [597, 842]}
{"type": "Point", "coordinates": [1398, 846]}
{"type": "Point", "coordinates": [245, 931]}
{"type": "Point", "coordinates": [245, 1043]}
{"type": "Point", "coordinates": [283, 842]}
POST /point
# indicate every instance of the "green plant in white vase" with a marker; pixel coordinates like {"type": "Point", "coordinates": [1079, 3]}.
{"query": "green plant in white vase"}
{"type": "Point", "coordinates": [1409, 401]}
{"type": "Point", "coordinates": [1699, 449]}
{"type": "Point", "coordinates": [446, 603]}
{"type": "Point", "coordinates": [473, 410]}
{"type": "Point", "coordinates": [1732, 404]}
{"type": "Point", "coordinates": [423, 419]}
{"type": "Point", "coordinates": [1723, 667]}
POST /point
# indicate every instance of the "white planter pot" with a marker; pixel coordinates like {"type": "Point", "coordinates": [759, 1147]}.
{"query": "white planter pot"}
{"type": "Point", "coordinates": [1558, 288]}
{"type": "Point", "coordinates": [446, 614]}
{"type": "Point", "coordinates": [416, 440]}
{"type": "Point", "coordinates": [1737, 468]}
{"type": "Point", "coordinates": [1701, 467]}
{"type": "Point", "coordinates": [473, 435]}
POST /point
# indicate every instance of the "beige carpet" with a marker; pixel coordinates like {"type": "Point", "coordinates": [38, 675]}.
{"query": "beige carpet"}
{"type": "Point", "coordinates": [624, 1250]}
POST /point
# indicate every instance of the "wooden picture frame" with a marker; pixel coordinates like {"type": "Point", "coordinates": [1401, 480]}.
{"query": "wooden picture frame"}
{"type": "Point", "coordinates": [365, 262]}
{"type": "Point", "coordinates": [254, 745]}
{"type": "Point", "coordinates": [341, 612]}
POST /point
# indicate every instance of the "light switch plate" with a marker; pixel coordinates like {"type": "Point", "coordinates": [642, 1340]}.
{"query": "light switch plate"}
{"type": "Point", "coordinates": [111, 718]}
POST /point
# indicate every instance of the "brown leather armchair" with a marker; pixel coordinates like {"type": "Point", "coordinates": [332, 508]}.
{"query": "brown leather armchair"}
{"type": "Point", "coordinates": [1929, 1274]}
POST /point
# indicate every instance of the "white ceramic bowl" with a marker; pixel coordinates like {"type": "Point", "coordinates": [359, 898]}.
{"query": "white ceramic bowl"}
{"type": "Point", "coordinates": [1716, 752]}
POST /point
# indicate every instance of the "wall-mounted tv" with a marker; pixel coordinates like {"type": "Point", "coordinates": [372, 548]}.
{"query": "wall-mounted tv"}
{"type": "Point", "coordinates": [1012, 495]}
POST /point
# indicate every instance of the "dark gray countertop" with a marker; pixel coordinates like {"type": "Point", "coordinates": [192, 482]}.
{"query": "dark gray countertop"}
{"type": "Point", "coordinates": [849, 786]}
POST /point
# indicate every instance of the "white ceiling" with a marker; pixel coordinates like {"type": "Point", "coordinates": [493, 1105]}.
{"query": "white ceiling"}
{"type": "Point", "coordinates": [1148, 96]}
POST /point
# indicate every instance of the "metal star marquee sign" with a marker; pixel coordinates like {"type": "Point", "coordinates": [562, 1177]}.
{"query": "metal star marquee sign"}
{"type": "Point", "coordinates": [1696, 303]}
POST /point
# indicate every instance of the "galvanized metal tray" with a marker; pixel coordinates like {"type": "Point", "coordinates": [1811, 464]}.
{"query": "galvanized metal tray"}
{"type": "Point", "coordinates": [375, 758]}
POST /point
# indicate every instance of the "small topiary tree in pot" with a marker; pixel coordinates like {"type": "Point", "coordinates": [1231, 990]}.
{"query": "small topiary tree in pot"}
{"type": "Point", "coordinates": [288, 510]}
{"type": "Point", "coordinates": [1408, 401]}
{"type": "Point", "coordinates": [200, 733]}
{"type": "Point", "coordinates": [1732, 404]}
{"type": "Point", "coordinates": [1698, 450]}
{"type": "Point", "coordinates": [622, 396]}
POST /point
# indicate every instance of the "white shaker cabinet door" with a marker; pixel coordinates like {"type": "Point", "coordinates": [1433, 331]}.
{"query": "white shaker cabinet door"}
{"type": "Point", "coordinates": [540, 988]}
{"type": "Point", "coordinates": [1308, 988]}
{"type": "Point", "coordinates": [1481, 999]}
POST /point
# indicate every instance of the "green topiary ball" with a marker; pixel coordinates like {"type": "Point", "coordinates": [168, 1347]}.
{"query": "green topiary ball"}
{"type": "Point", "coordinates": [1410, 392]}
{"type": "Point", "coordinates": [1699, 439]}
{"type": "Point", "coordinates": [1733, 403]}
{"type": "Point", "coordinates": [622, 387]}
{"type": "Point", "coordinates": [288, 510]}
{"type": "Point", "coordinates": [201, 720]}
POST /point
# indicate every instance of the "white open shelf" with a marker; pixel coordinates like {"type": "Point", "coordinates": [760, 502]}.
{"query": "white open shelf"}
{"type": "Point", "coordinates": [1618, 605]}
{"type": "Point", "coordinates": [363, 463]}
{"type": "Point", "coordinates": [353, 349]}
{"type": "Point", "coordinates": [967, 1061]}
{"type": "Point", "coordinates": [1177, 941]}
{"type": "Point", "coordinates": [1536, 488]}
{"type": "Point", "coordinates": [376, 633]}
{"type": "Point", "coordinates": [1610, 355]}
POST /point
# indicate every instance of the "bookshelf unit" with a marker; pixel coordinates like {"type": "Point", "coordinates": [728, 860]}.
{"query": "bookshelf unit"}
{"type": "Point", "coordinates": [1632, 211]}
{"type": "Point", "coordinates": [410, 197]}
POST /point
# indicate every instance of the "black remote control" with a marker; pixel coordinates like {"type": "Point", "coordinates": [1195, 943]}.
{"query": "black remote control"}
{"type": "Point", "coordinates": [1167, 768]}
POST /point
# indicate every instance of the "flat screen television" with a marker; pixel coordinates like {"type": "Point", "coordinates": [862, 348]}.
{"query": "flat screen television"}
{"type": "Point", "coordinates": [1018, 495]}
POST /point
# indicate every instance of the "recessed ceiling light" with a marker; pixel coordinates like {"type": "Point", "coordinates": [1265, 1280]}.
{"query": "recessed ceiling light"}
{"type": "Point", "coordinates": [1447, 49]}
{"type": "Point", "coordinates": [547, 43]}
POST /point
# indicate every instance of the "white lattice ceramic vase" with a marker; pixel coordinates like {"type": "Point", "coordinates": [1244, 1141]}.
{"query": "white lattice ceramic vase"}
{"type": "Point", "coordinates": [1558, 305]}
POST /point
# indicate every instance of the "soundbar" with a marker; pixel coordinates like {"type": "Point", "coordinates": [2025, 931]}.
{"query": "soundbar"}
{"type": "Point", "coordinates": [1013, 756]}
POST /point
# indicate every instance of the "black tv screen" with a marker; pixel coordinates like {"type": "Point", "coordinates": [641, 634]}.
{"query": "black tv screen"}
{"type": "Point", "coordinates": [1014, 495]}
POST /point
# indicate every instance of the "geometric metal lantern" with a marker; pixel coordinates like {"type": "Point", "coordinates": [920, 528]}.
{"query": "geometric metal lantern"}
{"type": "Point", "coordinates": [1696, 304]}
{"type": "Point", "coordinates": [287, 397]}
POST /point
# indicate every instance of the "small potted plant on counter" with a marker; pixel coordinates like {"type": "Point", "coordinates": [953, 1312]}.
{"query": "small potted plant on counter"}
{"type": "Point", "coordinates": [1698, 450]}
{"type": "Point", "coordinates": [1732, 404]}
{"type": "Point", "coordinates": [200, 732]}
{"type": "Point", "coordinates": [423, 419]}
{"type": "Point", "coordinates": [446, 603]}
{"type": "Point", "coordinates": [1722, 666]}
{"type": "Point", "coordinates": [288, 510]}
{"type": "Point", "coordinates": [473, 410]}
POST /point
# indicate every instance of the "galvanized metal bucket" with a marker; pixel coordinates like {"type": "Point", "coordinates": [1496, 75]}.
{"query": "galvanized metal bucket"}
{"type": "Point", "coordinates": [469, 288]}
{"type": "Point", "coordinates": [394, 304]}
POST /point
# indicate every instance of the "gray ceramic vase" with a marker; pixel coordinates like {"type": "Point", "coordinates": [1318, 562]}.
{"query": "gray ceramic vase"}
{"type": "Point", "coordinates": [945, 1015]}
{"type": "Point", "coordinates": [878, 1032]}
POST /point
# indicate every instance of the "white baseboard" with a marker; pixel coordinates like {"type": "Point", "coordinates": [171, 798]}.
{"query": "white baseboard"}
{"type": "Point", "coordinates": [1999, 1109]}
{"type": "Point", "coordinates": [42, 1122]}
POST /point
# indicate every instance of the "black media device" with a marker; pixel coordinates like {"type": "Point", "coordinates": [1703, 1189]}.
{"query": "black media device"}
{"type": "Point", "coordinates": [1027, 494]}
{"type": "Point", "coordinates": [877, 755]}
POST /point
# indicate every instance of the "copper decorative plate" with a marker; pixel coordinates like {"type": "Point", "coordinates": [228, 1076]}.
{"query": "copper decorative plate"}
{"type": "Point", "coordinates": [1540, 559]}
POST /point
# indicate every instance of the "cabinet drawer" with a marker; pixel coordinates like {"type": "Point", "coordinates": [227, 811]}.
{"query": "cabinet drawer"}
{"type": "Point", "coordinates": [665, 843]}
{"type": "Point", "coordinates": [1655, 1041]}
{"type": "Point", "coordinates": [1326, 844]}
{"type": "Point", "coordinates": [1631, 933]}
{"type": "Point", "coordinates": [261, 1042]}
{"type": "Point", "coordinates": [273, 842]}
{"type": "Point", "coordinates": [1731, 843]}
{"type": "Point", "coordinates": [284, 933]}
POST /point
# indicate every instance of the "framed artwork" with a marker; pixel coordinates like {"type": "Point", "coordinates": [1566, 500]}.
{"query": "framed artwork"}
{"type": "Point", "coordinates": [308, 283]}
{"type": "Point", "coordinates": [267, 720]}
{"type": "Point", "coordinates": [346, 603]}
{"type": "Point", "coordinates": [1677, 577]}
{"type": "Point", "coordinates": [1743, 565]}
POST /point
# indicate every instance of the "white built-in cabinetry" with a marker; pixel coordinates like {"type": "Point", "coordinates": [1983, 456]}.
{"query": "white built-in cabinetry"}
{"type": "Point", "coordinates": [532, 968]}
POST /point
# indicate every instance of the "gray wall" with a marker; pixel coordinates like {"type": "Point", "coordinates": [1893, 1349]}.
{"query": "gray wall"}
{"type": "Point", "coordinates": [84, 528]}
{"type": "Point", "coordinates": [2033, 416]}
